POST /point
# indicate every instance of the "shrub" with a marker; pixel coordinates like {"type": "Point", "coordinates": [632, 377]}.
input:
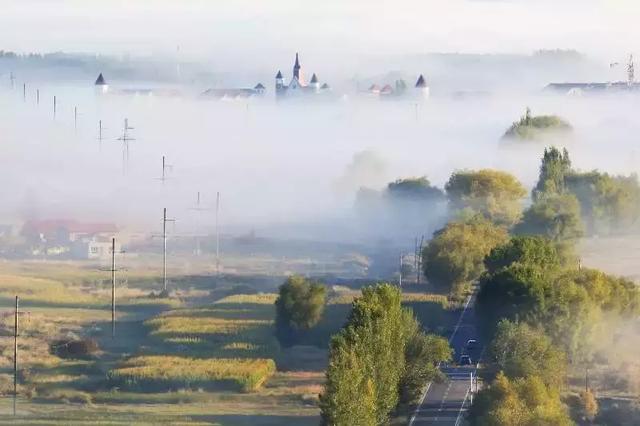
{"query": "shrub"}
{"type": "Point", "coordinates": [81, 349]}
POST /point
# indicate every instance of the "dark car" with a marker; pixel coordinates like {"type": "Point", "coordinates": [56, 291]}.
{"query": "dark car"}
{"type": "Point", "coordinates": [465, 360]}
{"type": "Point", "coordinates": [472, 344]}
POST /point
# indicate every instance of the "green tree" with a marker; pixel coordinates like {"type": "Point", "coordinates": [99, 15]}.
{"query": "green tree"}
{"type": "Point", "coordinates": [299, 307]}
{"type": "Point", "coordinates": [414, 189]}
{"type": "Point", "coordinates": [423, 353]}
{"type": "Point", "coordinates": [555, 166]}
{"type": "Point", "coordinates": [455, 256]}
{"type": "Point", "coordinates": [532, 250]}
{"type": "Point", "coordinates": [494, 194]}
{"type": "Point", "coordinates": [372, 360]}
{"type": "Point", "coordinates": [518, 402]}
{"type": "Point", "coordinates": [522, 351]}
{"type": "Point", "coordinates": [608, 203]}
{"type": "Point", "coordinates": [554, 216]}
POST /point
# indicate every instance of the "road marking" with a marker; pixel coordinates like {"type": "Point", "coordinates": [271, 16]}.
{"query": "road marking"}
{"type": "Point", "coordinates": [455, 330]}
{"type": "Point", "coordinates": [461, 407]}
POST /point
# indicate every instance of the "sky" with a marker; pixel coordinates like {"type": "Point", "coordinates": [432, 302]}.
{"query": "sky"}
{"type": "Point", "coordinates": [602, 28]}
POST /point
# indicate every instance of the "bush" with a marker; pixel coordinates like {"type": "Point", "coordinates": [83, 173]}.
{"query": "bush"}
{"type": "Point", "coordinates": [299, 307]}
{"type": "Point", "coordinates": [79, 349]}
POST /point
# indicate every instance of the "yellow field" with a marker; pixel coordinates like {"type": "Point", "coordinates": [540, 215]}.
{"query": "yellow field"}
{"type": "Point", "coordinates": [45, 291]}
{"type": "Point", "coordinates": [185, 325]}
{"type": "Point", "coordinates": [250, 374]}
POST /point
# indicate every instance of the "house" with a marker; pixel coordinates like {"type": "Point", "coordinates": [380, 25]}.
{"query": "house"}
{"type": "Point", "coordinates": [401, 90]}
{"type": "Point", "coordinates": [69, 237]}
{"type": "Point", "coordinates": [233, 94]}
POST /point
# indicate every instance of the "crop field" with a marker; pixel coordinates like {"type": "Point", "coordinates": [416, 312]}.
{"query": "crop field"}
{"type": "Point", "coordinates": [206, 355]}
{"type": "Point", "coordinates": [249, 374]}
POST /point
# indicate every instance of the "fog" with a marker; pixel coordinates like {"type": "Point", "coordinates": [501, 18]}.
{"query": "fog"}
{"type": "Point", "coordinates": [291, 165]}
{"type": "Point", "coordinates": [292, 168]}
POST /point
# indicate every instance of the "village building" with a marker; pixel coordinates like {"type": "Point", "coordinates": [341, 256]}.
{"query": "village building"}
{"type": "Point", "coordinates": [70, 238]}
{"type": "Point", "coordinates": [401, 90]}
{"type": "Point", "coordinates": [101, 85]}
{"type": "Point", "coordinates": [298, 86]}
{"type": "Point", "coordinates": [233, 94]}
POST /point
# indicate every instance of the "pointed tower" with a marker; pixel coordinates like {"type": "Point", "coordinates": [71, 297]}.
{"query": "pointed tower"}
{"type": "Point", "coordinates": [296, 68]}
{"type": "Point", "coordinates": [279, 82]}
{"type": "Point", "coordinates": [422, 90]}
{"type": "Point", "coordinates": [101, 84]}
{"type": "Point", "coordinates": [315, 83]}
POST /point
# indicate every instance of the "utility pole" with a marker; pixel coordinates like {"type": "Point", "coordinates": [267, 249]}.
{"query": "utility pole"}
{"type": "Point", "coordinates": [37, 96]}
{"type": "Point", "coordinates": [586, 379]}
{"type": "Point", "coordinates": [125, 138]}
{"type": "Point", "coordinates": [55, 105]}
{"type": "Point", "coordinates": [165, 167]}
{"type": "Point", "coordinates": [400, 279]}
{"type": "Point", "coordinates": [12, 78]}
{"type": "Point", "coordinates": [16, 333]}
{"type": "Point", "coordinates": [24, 92]}
{"type": "Point", "coordinates": [217, 234]}
{"type": "Point", "coordinates": [113, 288]}
{"type": "Point", "coordinates": [75, 119]}
{"type": "Point", "coordinates": [198, 210]}
{"type": "Point", "coordinates": [15, 356]}
{"type": "Point", "coordinates": [100, 134]}
{"type": "Point", "coordinates": [164, 250]}
{"type": "Point", "coordinates": [419, 258]}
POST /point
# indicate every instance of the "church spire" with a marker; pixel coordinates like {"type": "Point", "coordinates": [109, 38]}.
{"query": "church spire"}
{"type": "Point", "coordinates": [296, 68]}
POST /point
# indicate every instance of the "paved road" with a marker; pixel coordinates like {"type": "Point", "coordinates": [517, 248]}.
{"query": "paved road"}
{"type": "Point", "coordinates": [446, 403]}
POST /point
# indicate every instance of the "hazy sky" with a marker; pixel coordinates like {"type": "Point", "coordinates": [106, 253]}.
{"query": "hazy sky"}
{"type": "Point", "coordinates": [605, 28]}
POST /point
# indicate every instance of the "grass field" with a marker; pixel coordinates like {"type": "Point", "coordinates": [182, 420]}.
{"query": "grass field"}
{"type": "Point", "coordinates": [204, 356]}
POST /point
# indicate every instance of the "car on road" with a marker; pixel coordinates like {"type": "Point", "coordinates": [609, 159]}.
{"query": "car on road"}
{"type": "Point", "coordinates": [472, 344]}
{"type": "Point", "coordinates": [465, 360]}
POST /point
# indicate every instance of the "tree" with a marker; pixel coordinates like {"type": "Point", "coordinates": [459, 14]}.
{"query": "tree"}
{"type": "Point", "coordinates": [494, 194]}
{"type": "Point", "coordinates": [522, 351]}
{"type": "Point", "coordinates": [533, 250]}
{"type": "Point", "coordinates": [588, 405]}
{"type": "Point", "coordinates": [530, 127]}
{"type": "Point", "coordinates": [422, 354]}
{"type": "Point", "coordinates": [518, 402]}
{"type": "Point", "coordinates": [372, 361]}
{"type": "Point", "coordinates": [299, 307]}
{"type": "Point", "coordinates": [455, 256]}
{"type": "Point", "coordinates": [608, 203]}
{"type": "Point", "coordinates": [553, 216]}
{"type": "Point", "coordinates": [414, 189]}
{"type": "Point", "coordinates": [555, 166]}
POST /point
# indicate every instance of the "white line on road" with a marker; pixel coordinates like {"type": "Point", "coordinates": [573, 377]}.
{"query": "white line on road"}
{"type": "Point", "coordinates": [461, 407]}
{"type": "Point", "coordinates": [455, 330]}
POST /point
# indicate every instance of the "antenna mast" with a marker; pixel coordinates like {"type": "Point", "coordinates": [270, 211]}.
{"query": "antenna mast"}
{"type": "Point", "coordinates": [631, 75]}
